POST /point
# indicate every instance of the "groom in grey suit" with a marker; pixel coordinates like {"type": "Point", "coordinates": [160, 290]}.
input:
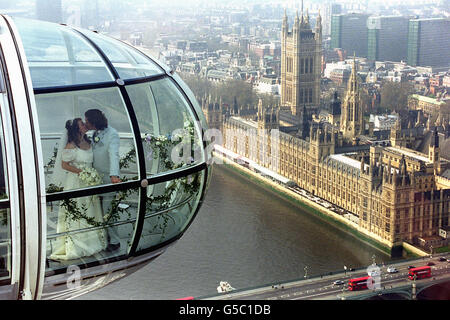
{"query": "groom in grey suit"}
{"type": "Point", "coordinates": [105, 147]}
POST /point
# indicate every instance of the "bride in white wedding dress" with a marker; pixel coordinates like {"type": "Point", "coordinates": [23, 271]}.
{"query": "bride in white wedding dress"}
{"type": "Point", "coordinates": [75, 153]}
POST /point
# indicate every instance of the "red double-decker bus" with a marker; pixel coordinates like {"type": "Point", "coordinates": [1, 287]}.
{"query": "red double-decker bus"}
{"type": "Point", "coordinates": [420, 273]}
{"type": "Point", "coordinates": [359, 283]}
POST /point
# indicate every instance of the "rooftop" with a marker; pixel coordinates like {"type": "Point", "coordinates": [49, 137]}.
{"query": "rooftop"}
{"type": "Point", "coordinates": [346, 160]}
{"type": "Point", "coordinates": [410, 153]}
{"type": "Point", "coordinates": [427, 99]}
{"type": "Point", "coordinates": [250, 123]}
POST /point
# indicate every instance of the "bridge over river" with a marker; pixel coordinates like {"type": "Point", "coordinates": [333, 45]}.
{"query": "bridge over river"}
{"type": "Point", "coordinates": [324, 287]}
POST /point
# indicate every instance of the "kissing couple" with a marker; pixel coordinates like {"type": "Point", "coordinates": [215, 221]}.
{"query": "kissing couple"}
{"type": "Point", "coordinates": [76, 155]}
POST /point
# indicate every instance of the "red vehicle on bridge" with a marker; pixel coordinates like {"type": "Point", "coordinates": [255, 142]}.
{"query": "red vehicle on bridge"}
{"type": "Point", "coordinates": [419, 273]}
{"type": "Point", "coordinates": [359, 283]}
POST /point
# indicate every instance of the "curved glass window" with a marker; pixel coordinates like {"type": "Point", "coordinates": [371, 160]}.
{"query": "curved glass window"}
{"type": "Point", "coordinates": [82, 228]}
{"type": "Point", "coordinates": [169, 209]}
{"type": "Point", "coordinates": [58, 56]}
{"type": "Point", "coordinates": [168, 128]}
{"type": "Point", "coordinates": [55, 110]}
{"type": "Point", "coordinates": [128, 62]}
{"type": "Point", "coordinates": [192, 98]}
{"type": "Point", "coordinates": [210, 136]}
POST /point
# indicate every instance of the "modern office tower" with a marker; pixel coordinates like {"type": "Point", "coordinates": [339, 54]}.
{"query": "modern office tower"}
{"type": "Point", "coordinates": [326, 11]}
{"type": "Point", "coordinates": [336, 8]}
{"type": "Point", "coordinates": [349, 32]}
{"type": "Point", "coordinates": [49, 10]}
{"type": "Point", "coordinates": [429, 42]}
{"type": "Point", "coordinates": [387, 38]}
{"type": "Point", "coordinates": [301, 58]}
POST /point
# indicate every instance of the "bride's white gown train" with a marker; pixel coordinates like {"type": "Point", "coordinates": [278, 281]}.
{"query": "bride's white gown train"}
{"type": "Point", "coordinates": [86, 243]}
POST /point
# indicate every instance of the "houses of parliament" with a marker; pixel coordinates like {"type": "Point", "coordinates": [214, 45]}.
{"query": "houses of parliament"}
{"type": "Point", "coordinates": [397, 185]}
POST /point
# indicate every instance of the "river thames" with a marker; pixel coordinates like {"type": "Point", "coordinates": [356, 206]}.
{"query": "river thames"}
{"type": "Point", "coordinates": [249, 236]}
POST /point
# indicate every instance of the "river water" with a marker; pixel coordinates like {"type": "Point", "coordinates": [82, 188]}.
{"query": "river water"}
{"type": "Point", "coordinates": [247, 235]}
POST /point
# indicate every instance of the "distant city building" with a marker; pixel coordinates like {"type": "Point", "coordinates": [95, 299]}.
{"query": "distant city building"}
{"type": "Point", "coordinates": [266, 49]}
{"type": "Point", "coordinates": [427, 105]}
{"type": "Point", "coordinates": [196, 46]}
{"type": "Point", "coordinates": [383, 122]}
{"type": "Point", "coordinates": [268, 85]}
{"type": "Point", "coordinates": [340, 75]}
{"type": "Point", "coordinates": [349, 32]}
{"type": "Point", "coordinates": [446, 81]}
{"type": "Point", "coordinates": [429, 42]}
{"type": "Point", "coordinates": [49, 10]}
{"type": "Point", "coordinates": [387, 38]}
{"type": "Point", "coordinates": [327, 11]}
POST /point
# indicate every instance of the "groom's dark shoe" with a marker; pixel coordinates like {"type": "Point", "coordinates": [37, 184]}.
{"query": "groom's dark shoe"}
{"type": "Point", "coordinates": [113, 247]}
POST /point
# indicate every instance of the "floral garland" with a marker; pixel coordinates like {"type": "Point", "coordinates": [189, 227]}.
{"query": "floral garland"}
{"type": "Point", "coordinates": [51, 163]}
{"type": "Point", "coordinates": [187, 185]}
{"type": "Point", "coordinates": [73, 212]}
{"type": "Point", "coordinates": [161, 147]}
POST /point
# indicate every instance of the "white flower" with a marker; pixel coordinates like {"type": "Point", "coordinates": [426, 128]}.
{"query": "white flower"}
{"type": "Point", "coordinates": [90, 176]}
{"type": "Point", "coordinates": [123, 206]}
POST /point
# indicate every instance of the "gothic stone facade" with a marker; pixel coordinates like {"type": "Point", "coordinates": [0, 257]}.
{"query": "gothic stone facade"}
{"type": "Point", "coordinates": [396, 193]}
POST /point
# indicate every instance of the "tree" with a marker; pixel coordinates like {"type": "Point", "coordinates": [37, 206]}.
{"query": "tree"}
{"type": "Point", "coordinates": [394, 96]}
{"type": "Point", "coordinates": [229, 91]}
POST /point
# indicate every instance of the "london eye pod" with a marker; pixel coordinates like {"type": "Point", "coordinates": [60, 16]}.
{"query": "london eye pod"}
{"type": "Point", "coordinates": [62, 238]}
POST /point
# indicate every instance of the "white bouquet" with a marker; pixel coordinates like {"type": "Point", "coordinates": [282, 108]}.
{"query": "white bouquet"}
{"type": "Point", "coordinates": [90, 176]}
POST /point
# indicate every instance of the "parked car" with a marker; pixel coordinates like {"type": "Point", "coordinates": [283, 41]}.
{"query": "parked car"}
{"type": "Point", "coordinates": [392, 270]}
{"type": "Point", "coordinates": [430, 264]}
{"type": "Point", "coordinates": [442, 259]}
{"type": "Point", "coordinates": [338, 282]}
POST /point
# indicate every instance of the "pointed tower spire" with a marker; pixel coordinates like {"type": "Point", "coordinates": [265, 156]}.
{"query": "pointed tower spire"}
{"type": "Point", "coordinates": [307, 18]}
{"type": "Point", "coordinates": [235, 106]}
{"type": "Point", "coordinates": [319, 21]}
{"type": "Point", "coordinates": [302, 12]}
{"type": "Point", "coordinates": [260, 109]}
{"type": "Point", "coordinates": [353, 76]}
